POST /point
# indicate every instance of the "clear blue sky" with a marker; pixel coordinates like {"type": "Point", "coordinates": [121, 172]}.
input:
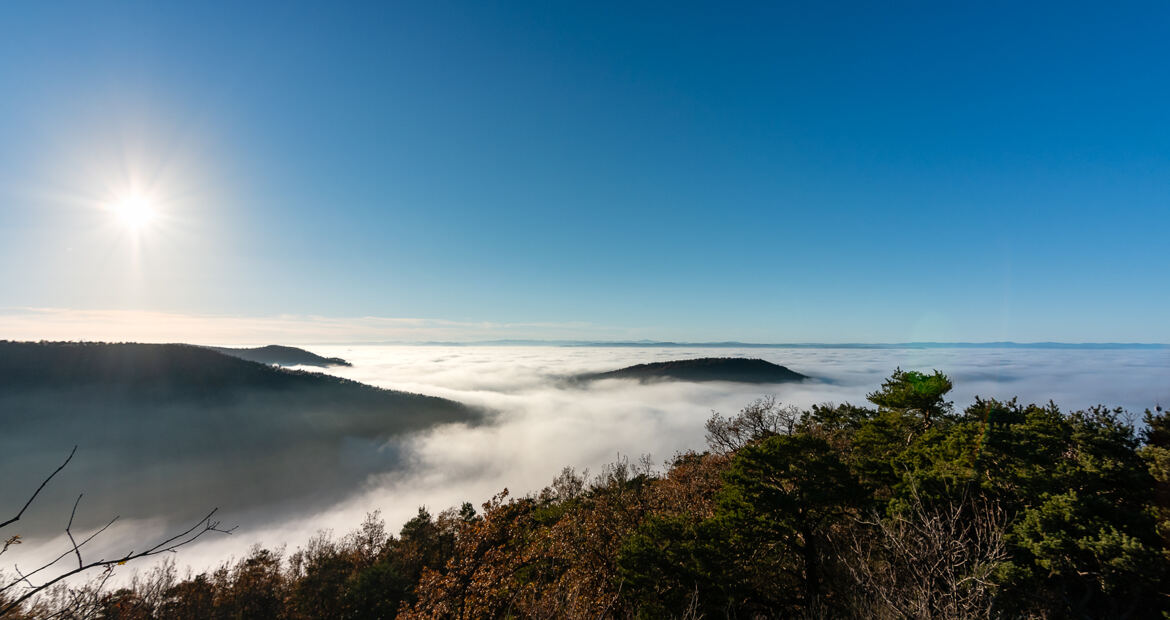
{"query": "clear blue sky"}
{"type": "Point", "coordinates": [817, 172]}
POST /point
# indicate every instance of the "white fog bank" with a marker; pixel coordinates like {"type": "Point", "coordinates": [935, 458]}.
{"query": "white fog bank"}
{"type": "Point", "coordinates": [542, 424]}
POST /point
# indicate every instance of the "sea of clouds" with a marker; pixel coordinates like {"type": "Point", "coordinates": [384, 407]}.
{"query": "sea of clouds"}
{"type": "Point", "coordinates": [541, 423]}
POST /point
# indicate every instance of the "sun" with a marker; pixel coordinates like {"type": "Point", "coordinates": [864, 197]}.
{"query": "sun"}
{"type": "Point", "coordinates": [134, 211]}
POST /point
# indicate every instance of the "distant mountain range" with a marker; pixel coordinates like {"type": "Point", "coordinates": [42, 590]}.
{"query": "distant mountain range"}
{"type": "Point", "coordinates": [736, 369]}
{"type": "Point", "coordinates": [171, 429]}
{"type": "Point", "coordinates": [799, 345]}
{"type": "Point", "coordinates": [282, 356]}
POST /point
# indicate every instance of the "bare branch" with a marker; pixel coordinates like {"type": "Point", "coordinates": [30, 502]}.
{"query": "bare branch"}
{"type": "Point", "coordinates": [169, 545]}
{"type": "Point", "coordinates": [38, 491]}
{"type": "Point", "coordinates": [761, 419]}
{"type": "Point", "coordinates": [68, 530]}
{"type": "Point", "coordinates": [12, 540]}
{"type": "Point", "coordinates": [188, 536]}
{"type": "Point", "coordinates": [929, 560]}
{"type": "Point", "coordinates": [63, 555]}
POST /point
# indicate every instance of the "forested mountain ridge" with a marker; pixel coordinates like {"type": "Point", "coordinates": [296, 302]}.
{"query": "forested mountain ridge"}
{"type": "Point", "coordinates": [901, 508]}
{"type": "Point", "coordinates": [281, 356]}
{"type": "Point", "coordinates": [179, 370]}
{"type": "Point", "coordinates": [165, 429]}
{"type": "Point", "coordinates": [70, 364]}
{"type": "Point", "coordinates": [735, 369]}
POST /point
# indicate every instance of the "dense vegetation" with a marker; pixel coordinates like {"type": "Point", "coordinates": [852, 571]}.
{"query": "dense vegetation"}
{"type": "Point", "coordinates": [902, 509]}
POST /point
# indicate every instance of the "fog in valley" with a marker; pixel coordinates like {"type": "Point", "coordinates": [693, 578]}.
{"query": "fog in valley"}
{"type": "Point", "coordinates": [536, 424]}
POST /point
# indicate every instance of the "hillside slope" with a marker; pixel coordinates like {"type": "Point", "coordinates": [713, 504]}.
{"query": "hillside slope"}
{"type": "Point", "coordinates": [169, 429]}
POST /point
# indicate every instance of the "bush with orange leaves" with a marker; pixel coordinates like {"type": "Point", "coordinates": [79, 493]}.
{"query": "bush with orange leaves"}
{"type": "Point", "coordinates": [544, 556]}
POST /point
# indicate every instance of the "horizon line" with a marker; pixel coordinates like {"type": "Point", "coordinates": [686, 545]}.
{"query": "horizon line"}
{"type": "Point", "coordinates": [781, 345]}
{"type": "Point", "coordinates": [1007, 344]}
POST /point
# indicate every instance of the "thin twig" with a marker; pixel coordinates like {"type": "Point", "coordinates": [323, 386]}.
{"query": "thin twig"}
{"type": "Point", "coordinates": [188, 536]}
{"type": "Point", "coordinates": [37, 492]}
{"type": "Point", "coordinates": [69, 531]}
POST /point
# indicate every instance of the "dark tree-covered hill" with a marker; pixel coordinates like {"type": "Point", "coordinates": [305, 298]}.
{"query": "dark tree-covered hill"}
{"type": "Point", "coordinates": [165, 429]}
{"type": "Point", "coordinates": [282, 356]}
{"type": "Point", "coordinates": [736, 369]}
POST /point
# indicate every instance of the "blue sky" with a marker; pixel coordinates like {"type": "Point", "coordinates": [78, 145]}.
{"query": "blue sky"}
{"type": "Point", "coordinates": [783, 173]}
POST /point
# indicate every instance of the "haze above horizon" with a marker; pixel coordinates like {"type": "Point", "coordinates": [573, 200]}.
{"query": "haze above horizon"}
{"type": "Point", "coordinates": [835, 173]}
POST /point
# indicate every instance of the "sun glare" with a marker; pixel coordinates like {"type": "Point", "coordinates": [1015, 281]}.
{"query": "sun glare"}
{"type": "Point", "coordinates": [133, 211]}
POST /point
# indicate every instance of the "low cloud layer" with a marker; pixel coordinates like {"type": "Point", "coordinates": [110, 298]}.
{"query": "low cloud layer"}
{"type": "Point", "coordinates": [542, 424]}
